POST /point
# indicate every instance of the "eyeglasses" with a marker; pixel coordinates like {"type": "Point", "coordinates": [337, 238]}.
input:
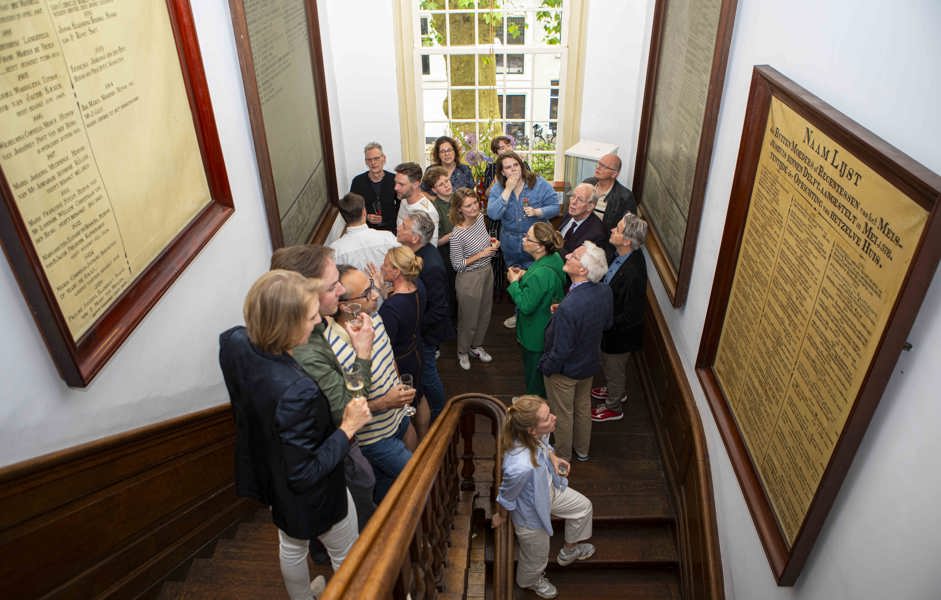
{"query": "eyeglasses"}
{"type": "Point", "coordinates": [604, 166]}
{"type": "Point", "coordinates": [446, 151]}
{"type": "Point", "coordinates": [530, 240]}
{"type": "Point", "coordinates": [374, 158]}
{"type": "Point", "coordinates": [370, 293]}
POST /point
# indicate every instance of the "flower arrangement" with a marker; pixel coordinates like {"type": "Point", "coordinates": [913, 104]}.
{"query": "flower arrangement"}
{"type": "Point", "coordinates": [476, 160]}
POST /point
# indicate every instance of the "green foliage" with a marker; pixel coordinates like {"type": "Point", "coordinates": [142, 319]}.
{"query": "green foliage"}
{"type": "Point", "coordinates": [543, 164]}
{"type": "Point", "coordinates": [551, 21]}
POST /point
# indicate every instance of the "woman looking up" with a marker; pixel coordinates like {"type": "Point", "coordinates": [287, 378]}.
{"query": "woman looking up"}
{"type": "Point", "coordinates": [289, 455]}
{"type": "Point", "coordinates": [534, 489]}
{"type": "Point", "coordinates": [534, 291]}
{"type": "Point", "coordinates": [471, 251]}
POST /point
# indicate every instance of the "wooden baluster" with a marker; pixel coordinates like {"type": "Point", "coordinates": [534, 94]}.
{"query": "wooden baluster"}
{"type": "Point", "coordinates": [468, 419]}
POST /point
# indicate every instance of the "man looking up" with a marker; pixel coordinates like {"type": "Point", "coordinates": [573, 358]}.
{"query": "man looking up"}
{"type": "Point", "coordinates": [317, 261]}
{"type": "Point", "coordinates": [581, 223]}
{"type": "Point", "coordinates": [415, 232]}
{"type": "Point", "coordinates": [408, 188]}
{"type": "Point", "coordinates": [359, 245]}
{"type": "Point", "coordinates": [377, 187]}
{"type": "Point", "coordinates": [572, 350]}
{"type": "Point", "coordinates": [613, 198]}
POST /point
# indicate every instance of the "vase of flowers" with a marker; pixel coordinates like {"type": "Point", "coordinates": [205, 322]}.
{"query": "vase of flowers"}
{"type": "Point", "coordinates": [478, 163]}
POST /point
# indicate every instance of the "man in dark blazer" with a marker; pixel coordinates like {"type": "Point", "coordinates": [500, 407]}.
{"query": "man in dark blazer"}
{"type": "Point", "coordinates": [613, 198]}
{"type": "Point", "coordinates": [377, 186]}
{"type": "Point", "coordinates": [573, 342]}
{"type": "Point", "coordinates": [581, 224]}
{"type": "Point", "coordinates": [627, 278]}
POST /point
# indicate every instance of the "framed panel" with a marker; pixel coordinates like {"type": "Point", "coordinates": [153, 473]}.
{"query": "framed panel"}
{"type": "Point", "coordinates": [830, 243]}
{"type": "Point", "coordinates": [282, 71]}
{"type": "Point", "coordinates": [689, 48]}
{"type": "Point", "coordinates": [112, 173]}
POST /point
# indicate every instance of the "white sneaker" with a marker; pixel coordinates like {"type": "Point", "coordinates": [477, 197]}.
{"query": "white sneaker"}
{"type": "Point", "coordinates": [579, 552]}
{"type": "Point", "coordinates": [464, 361]}
{"type": "Point", "coordinates": [510, 323]}
{"type": "Point", "coordinates": [480, 354]}
{"type": "Point", "coordinates": [544, 589]}
{"type": "Point", "coordinates": [318, 585]}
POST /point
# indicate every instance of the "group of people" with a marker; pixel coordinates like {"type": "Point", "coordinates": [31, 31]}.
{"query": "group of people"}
{"type": "Point", "coordinates": [333, 379]}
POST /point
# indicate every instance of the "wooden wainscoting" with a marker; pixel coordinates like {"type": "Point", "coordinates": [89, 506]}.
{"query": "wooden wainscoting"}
{"type": "Point", "coordinates": [685, 459]}
{"type": "Point", "coordinates": [112, 518]}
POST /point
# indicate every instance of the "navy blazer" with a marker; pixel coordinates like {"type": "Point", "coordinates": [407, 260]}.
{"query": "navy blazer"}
{"type": "Point", "coordinates": [387, 202]}
{"type": "Point", "coordinates": [288, 454]}
{"type": "Point", "coordinates": [591, 229]}
{"type": "Point", "coordinates": [436, 326]}
{"type": "Point", "coordinates": [573, 338]}
{"type": "Point", "coordinates": [629, 287]}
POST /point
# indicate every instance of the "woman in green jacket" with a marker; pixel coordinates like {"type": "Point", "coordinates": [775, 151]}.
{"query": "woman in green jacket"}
{"type": "Point", "coordinates": [534, 291]}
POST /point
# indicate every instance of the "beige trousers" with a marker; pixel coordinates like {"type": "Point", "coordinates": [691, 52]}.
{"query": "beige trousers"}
{"type": "Point", "coordinates": [533, 544]}
{"type": "Point", "coordinates": [474, 290]}
{"type": "Point", "coordinates": [570, 401]}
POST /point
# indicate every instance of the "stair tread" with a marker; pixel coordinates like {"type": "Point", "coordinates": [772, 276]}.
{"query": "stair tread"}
{"type": "Point", "coordinates": [611, 583]}
{"type": "Point", "coordinates": [261, 590]}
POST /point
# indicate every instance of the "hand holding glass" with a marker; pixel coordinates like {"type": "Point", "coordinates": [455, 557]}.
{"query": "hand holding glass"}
{"type": "Point", "coordinates": [407, 383]}
{"type": "Point", "coordinates": [355, 381]}
{"type": "Point", "coordinates": [353, 311]}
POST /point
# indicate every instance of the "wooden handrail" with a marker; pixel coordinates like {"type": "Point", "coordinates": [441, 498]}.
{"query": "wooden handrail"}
{"type": "Point", "coordinates": [402, 550]}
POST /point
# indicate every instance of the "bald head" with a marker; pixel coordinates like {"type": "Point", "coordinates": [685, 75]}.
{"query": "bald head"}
{"type": "Point", "coordinates": [608, 167]}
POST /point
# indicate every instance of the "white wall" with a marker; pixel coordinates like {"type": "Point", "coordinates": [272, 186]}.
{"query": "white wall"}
{"type": "Point", "coordinates": [168, 366]}
{"type": "Point", "coordinates": [614, 68]}
{"type": "Point", "coordinates": [359, 53]}
{"type": "Point", "coordinates": [878, 66]}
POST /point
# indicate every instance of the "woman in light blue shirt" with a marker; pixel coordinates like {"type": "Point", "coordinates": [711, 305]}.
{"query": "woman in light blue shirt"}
{"type": "Point", "coordinates": [533, 489]}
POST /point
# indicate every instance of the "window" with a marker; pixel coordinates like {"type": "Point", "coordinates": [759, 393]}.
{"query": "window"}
{"type": "Point", "coordinates": [490, 68]}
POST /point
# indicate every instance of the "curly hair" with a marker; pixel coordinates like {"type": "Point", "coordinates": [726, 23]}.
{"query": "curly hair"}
{"type": "Point", "coordinates": [436, 150]}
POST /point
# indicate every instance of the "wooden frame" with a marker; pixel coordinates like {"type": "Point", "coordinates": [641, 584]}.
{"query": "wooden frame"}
{"type": "Point", "coordinates": [676, 277]}
{"type": "Point", "coordinates": [902, 191]}
{"type": "Point", "coordinates": [318, 103]}
{"type": "Point", "coordinates": [79, 360]}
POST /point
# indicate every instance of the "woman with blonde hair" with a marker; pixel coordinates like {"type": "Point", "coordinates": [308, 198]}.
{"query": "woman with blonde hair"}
{"type": "Point", "coordinates": [533, 489]}
{"type": "Point", "coordinates": [402, 314]}
{"type": "Point", "coordinates": [288, 453]}
{"type": "Point", "coordinates": [472, 249]}
{"type": "Point", "coordinates": [534, 291]}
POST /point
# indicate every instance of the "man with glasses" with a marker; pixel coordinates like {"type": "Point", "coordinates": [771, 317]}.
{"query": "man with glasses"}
{"type": "Point", "coordinates": [613, 198]}
{"type": "Point", "coordinates": [581, 224]}
{"type": "Point", "coordinates": [384, 439]}
{"type": "Point", "coordinates": [377, 186]}
{"type": "Point", "coordinates": [359, 245]}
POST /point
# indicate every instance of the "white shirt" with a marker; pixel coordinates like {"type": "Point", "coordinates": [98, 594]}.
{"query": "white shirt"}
{"type": "Point", "coordinates": [424, 205]}
{"type": "Point", "coordinates": [361, 245]}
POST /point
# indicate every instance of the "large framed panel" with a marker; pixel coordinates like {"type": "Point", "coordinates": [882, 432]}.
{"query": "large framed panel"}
{"type": "Point", "coordinates": [112, 174]}
{"type": "Point", "coordinates": [689, 48]}
{"type": "Point", "coordinates": [282, 71]}
{"type": "Point", "coordinates": [831, 241]}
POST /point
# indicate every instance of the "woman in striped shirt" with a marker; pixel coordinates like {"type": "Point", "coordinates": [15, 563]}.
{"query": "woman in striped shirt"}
{"type": "Point", "coordinates": [472, 249]}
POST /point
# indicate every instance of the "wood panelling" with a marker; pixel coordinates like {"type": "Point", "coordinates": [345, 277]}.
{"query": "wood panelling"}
{"type": "Point", "coordinates": [113, 517]}
{"type": "Point", "coordinates": [685, 459]}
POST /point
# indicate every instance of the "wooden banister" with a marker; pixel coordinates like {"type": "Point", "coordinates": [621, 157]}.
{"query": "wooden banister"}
{"type": "Point", "coordinates": [403, 548]}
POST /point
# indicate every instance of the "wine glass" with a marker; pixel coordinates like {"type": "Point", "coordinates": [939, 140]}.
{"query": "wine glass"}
{"type": "Point", "coordinates": [407, 382]}
{"type": "Point", "coordinates": [354, 310]}
{"type": "Point", "coordinates": [355, 380]}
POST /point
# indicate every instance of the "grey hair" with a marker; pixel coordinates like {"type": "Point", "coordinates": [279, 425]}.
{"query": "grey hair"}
{"type": "Point", "coordinates": [422, 226]}
{"type": "Point", "coordinates": [595, 261]}
{"type": "Point", "coordinates": [593, 198]}
{"type": "Point", "coordinates": [635, 229]}
{"type": "Point", "coordinates": [373, 146]}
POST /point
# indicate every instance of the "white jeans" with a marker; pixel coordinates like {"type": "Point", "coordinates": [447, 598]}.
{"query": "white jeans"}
{"type": "Point", "coordinates": [293, 552]}
{"type": "Point", "coordinates": [533, 544]}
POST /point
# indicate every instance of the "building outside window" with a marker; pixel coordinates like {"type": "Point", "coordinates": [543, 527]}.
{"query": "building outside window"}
{"type": "Point", "coordinates": [491, 68]}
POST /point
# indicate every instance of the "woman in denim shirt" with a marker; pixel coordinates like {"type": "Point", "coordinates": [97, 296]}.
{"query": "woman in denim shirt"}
{"type": "Point", "coordinates": [519, 199]}
{"type": "Point", "coordinates": [533, 488]}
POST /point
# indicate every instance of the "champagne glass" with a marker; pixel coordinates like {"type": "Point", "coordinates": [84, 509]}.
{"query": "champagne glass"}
{"type": "Point", "coordinates": [355, 380]}
{"type": "Point", "coordinates": [407, 382]}
{"type": "Point", "coordinates": [354, 310]}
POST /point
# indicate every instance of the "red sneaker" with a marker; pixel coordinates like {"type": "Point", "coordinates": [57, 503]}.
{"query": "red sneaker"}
{"type": "Point", "coordinates": [606, 414]}
{"type": "Point", "coordinates": [599, 393]}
